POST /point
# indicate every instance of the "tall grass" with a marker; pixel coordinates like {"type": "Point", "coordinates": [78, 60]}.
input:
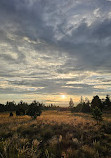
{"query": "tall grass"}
{"type": "Point", "coordinates": [54, 135]}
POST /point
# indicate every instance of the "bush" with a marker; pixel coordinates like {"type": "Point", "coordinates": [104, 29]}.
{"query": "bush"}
{"type": "Point", "coordinates": [34, 110]}
{"type": "Point", "coordinates": [97, 114]}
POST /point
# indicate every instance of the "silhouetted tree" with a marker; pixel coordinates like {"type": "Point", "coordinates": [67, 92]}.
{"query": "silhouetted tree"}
{"type": "Point", "coordinates": [2, 108]}
{"type": "Point", "coordinates": [78, 108]}
{"type": "Point", "coordinates": [97, 114]}
{"type": "Point", "coordinates": [34, 109]}
{"type": "Point", "coordinates": [96, 102]}
{"type": "Point", "coordinates": [107, 101]}
{"type": "Point", "coordinates": [85, 108]}
{"type": "Point", "coordinates": [81, 100]}
{"type": "Point", "coordinates": [71, 103]}
{"type": "Point", "coordinates": [22, 105]}
{"type": "Point", "coordinates": [10, 106]}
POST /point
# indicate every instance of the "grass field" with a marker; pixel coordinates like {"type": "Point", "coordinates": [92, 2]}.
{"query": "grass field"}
{"type": "Point", "coordinates": [55, 135]}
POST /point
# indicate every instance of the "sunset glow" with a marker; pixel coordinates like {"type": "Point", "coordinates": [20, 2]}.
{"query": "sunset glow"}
{"type": "Point", "coordinates": [54, 48]}
{"type": "Point", "coordinates": [63, 96]}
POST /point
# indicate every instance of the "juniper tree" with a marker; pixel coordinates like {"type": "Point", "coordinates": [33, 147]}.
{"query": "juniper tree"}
{"type": "Point", "coordinates": [97, 114]}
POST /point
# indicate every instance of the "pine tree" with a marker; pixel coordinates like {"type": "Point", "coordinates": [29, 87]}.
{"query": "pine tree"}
{"type": "Point", "coordinates": [97, 114]}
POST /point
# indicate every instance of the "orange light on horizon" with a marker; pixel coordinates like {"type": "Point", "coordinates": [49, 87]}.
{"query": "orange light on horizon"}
{"type": "Point", "coordinates": [63, 96]}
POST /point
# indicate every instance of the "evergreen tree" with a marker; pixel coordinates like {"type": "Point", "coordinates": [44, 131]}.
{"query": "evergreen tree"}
{"type": "Point", "coordinates": [96, 102]}
{"type": "Point", "coordinates": [34, 109]}
{"type": "Point", "coordinates": [97, 114]}
{"type": "Point", "coordinates": [107, 101]}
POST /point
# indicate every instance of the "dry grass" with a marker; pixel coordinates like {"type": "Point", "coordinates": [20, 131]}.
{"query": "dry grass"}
{"type": "Point", "coordinates": [54, 134]}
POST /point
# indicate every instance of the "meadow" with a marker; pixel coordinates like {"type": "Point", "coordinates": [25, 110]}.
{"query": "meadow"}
{"type": "Point", "coordinates": [55, 134]}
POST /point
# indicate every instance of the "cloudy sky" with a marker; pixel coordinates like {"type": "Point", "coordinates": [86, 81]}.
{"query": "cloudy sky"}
{"type": "Point", "coordinates": [50, 48]}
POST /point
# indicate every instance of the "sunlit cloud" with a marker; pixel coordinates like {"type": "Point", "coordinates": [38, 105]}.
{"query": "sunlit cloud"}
{"type": "Point", "coordinates": [53, 48]}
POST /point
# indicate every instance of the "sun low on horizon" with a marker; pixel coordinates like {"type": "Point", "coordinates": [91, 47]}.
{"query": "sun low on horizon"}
{"type": "Point", "coordinates": [63, 96]}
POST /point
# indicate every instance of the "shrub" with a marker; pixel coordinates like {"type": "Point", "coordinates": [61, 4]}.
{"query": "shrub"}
{"type": "Point", "coordinates": [34, 110]}
{"type": "Point", "coordinates": [97, 114]}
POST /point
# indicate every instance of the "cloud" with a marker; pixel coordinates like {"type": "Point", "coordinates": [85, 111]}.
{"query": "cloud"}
{"type": "Point", "coordinates": [44, 45]}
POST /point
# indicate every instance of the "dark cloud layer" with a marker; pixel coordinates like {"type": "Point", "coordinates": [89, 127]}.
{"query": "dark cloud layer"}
{"type": "Point", "coordinates": [54, 47]}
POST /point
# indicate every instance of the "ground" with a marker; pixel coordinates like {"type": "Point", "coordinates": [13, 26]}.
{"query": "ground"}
{"type": "Point", "coordinates": [54, 135]}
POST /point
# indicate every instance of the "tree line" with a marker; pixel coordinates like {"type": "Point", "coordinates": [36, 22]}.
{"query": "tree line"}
{"type": "Point", "coordinates": [86, 106]}
{"type": "Point", "coordinates": [11, 106]}
{"type": "Point", "coordinates": [33, 109]}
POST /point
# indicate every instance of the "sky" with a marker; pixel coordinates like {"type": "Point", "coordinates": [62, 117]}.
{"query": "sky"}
{"type": "Point", "coordinates": [51, 48]}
